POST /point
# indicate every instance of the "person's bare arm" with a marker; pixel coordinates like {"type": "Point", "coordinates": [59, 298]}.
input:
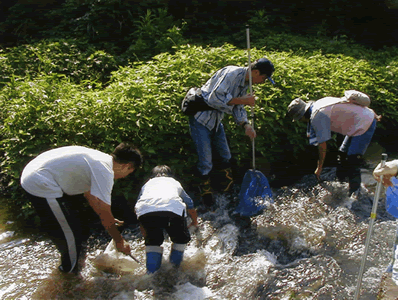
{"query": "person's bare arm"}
{"type": "Point", "coordinates": [103, 210]}
{"type": "Point", "coordinates": [194, 217]}
{"type": "Point", "coordinates": [245, 100]}
{"type": "Point", "coordinates": [322, 148]}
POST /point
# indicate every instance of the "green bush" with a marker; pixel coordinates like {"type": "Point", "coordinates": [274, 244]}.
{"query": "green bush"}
{"type": "Point", "coordinates": [79, 62]}
{"type": "Point", "coordinates": [155, 33]}
{"type": "Point", "coordinates": [101, 22]}
{"type": "Point", "coordinates": [42, 105]}
{"type": "Point", "coordinates": [135, 30]}
{"type": "Point", "coordinates": [141, 104]}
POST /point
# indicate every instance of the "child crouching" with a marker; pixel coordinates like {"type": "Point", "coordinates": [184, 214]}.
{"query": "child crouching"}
{"type": "Point", "coordinates": [163, 204]}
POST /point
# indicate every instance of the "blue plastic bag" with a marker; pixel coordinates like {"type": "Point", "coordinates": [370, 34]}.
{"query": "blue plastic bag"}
{"type": "Point", "coordinates": [392, 198]}
{"type": "Point", "coordinates": [255, 194]}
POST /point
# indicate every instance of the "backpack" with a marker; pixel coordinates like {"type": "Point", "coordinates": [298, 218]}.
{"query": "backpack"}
{"type": "Point", "coordinates": [194, 102]}
{"type": "Point", "coordinates": [357, 97]}
{"type": "Point", "coordinates": [350, 96]}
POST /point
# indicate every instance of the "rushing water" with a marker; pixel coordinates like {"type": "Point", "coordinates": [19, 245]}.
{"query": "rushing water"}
{"type": "Point", "coordinates": [308, 244]}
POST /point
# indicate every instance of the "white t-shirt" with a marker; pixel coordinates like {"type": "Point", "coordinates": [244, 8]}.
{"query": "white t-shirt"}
{"type": "Point", "coordinates": [71, 170]}
{"type": "Point", "coordinates": [162, 194]}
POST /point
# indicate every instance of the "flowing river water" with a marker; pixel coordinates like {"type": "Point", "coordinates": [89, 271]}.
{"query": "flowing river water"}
{"type": "Point", "coordinates": [308, 244]}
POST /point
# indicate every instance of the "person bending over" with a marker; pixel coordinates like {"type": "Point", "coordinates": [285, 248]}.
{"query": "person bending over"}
{"type": "Point", "coordinates": [59, 183]}
{"type": "Point", "coordinates": [224, 92]}
{"type": "Point", "coordinates": [163, 205]}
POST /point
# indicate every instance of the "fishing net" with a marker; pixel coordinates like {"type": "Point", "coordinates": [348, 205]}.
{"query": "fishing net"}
{"type": "Point", "coordinates": [255, 194]}
{"type": "Point", "coordinates": [113, 261]}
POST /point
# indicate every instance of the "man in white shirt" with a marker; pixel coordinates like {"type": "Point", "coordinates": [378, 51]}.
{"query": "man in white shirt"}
{"type": "Point", "coordinates": [60, 181]}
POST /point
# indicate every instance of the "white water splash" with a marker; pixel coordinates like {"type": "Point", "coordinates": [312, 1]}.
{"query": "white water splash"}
{"type": "Point", "coordinates": [6, 235]}
{"type": "Point", "coordinates": [189, 291]}
{"type": "Point", "coordinates": [308, 244]}
{"type": "Point", "coordinates": [114, 261]}
{"type": "Point", "coordinates": [395, 267]}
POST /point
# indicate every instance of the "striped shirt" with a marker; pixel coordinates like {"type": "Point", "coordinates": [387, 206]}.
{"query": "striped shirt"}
{"type": "Point", "coordinates": [225, 84]}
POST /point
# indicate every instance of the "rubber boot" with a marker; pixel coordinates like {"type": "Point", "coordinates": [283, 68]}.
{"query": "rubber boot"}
{"type": "Point", "coordinates": [341, 170]}
{"type": "Point", "coordinates": [206, 192]}
{"type": "Point", "coordinates": [228, 182]}
{"type": "Point", "coordinates": [354, 173]}
{"type": "Point", "coordinates": [177, 254]}
{"type": "Point", "coordinates": [153, 258]}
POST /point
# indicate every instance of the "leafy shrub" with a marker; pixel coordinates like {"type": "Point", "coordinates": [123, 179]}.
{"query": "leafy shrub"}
{"type": "Point", "coordinates": [48, 108]}
{"type": "Point", "coordinates": [79, 62]}
{"type": "Point", "coordinates": [155, 33]}
{"type": "Point", "coordinates": [141, 104]}
{"type": "Point", "coordinates": [90, 20]}
{"type": "Point", "coordinates": [139, 29]}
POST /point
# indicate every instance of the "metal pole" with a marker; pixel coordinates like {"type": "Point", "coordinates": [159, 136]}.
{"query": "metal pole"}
{"type": "Point", "coordinates": [370, 229]}
{"type": "Point", "coordinates": [135, 259]}
{"type": "Point", "coordinates": [251, 90]}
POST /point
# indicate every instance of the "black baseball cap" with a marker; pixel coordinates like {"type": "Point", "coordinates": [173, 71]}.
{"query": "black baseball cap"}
{"type": "Point", "coordinates": [265, 66]}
